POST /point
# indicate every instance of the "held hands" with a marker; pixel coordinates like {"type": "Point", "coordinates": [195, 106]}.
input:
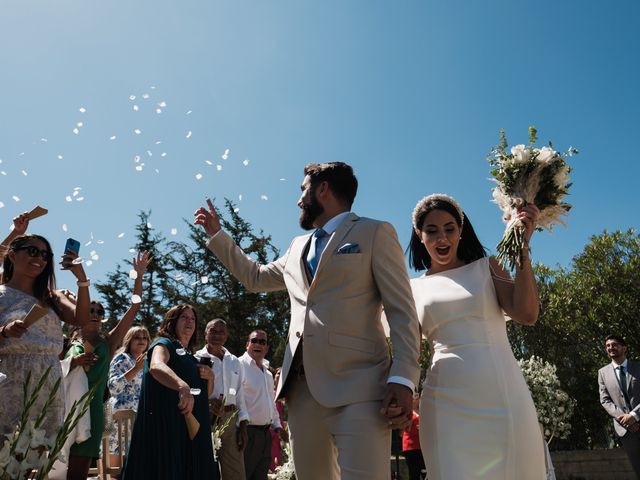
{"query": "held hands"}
{"type": "Point", "coordinates": [216, 406]}
{"type": "Point", "coordinates": [242, 437]}
{"type": "Point", "coordinates": [205, 373]}
{"type": "Point", "coordinates": [140, 362]}
{"type": "Point", "coordinates": [397, 406]}
{"type": "Point", "coordinates": [185, 400]}
{"type": "Point", "coordinates": [208, 218]}
{"type": "Point", "coordinates": [629, 422]}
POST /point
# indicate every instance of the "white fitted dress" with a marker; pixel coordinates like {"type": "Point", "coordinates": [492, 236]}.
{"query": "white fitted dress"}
{"type": "Point", "coordinates": [477, 418]}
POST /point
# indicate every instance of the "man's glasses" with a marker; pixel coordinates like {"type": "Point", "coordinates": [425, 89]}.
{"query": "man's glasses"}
{"type": "Point", "coordinates": [34, 252]}
{"type": "Point", "coordinates": [97, 311]}
{"type": "Point", "coordinates": [259, 341]}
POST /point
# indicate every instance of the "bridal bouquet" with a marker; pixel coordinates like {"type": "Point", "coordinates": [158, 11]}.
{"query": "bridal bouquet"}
{"type": "Point", "coordinates": [28, 448]}
{"type": "Point", "coordinates": [553, 405]}
{"type": "Point", "coordinates": [528, 174]}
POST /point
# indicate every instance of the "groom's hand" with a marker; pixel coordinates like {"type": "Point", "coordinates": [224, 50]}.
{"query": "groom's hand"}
{"type": "Point", "coordinates": [397, 405]}
{"type": "Point", "coordinates": [208, 218]}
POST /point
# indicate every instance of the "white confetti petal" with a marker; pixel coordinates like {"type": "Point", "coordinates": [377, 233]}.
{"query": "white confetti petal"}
{"type": "Point", "coordinates": [163, 154]}
{"type": "Point", "coordinates": [120, 235]}
{"type": "Point", "coordinates": [82, 110]}
{"type": "Point", "coordinates": [135, 299]}
{"type": "Point", "coordinates": [137, 131]}
{"type": "Point", "coordinates": [158, 142]}
{"type": "Point", "coordinates": [153, 87]}
{"type": "Point", "coordinates": [181, 351]}
{"type": "Point", "coordinates": [149, 225]}
{"type": "Point", "coordinates": [240, 197]}
{"type": "Point", "coordinates": [100, 242]}
{"type": "Point", "coordinates": [88, 263]}
{"type": "Point", "coordinates": [145, 95]}
{"type": "Point", "coordinates": [95, 257]}
{"type": "Point", "coordinates": [77, 188]}
{"type": "Point", "coordinates": [219, 167]}
{"type": "Point", "coordinates": [133, 274]}
{"type": "Point", "coordinates": [245, 162]}
{"type": "Point", "coordinates": [264, 197]}
{"type": "Point", "coordinates": [283, 179]}
{"type": "Point", "coordinates": [204, 279]}
{"type": "Point", "coordinates": [3, 172]}
{"type": "Point", "coordinates": [132, 97]}
{"type": "Point", "coordinates": [79, 124]}
{"type": "Point", "coordinates": [112, 137]}
{"type": "Point", "coordinates": [208, 162]}
{"type": "Point", "coordinates": [44, 140]}
{"type": "Point", "coordinates": [149, 153]}
{"type": "Point", "coordinates": [198, 176]}
{"type": "Point", "coordinates": [60, 157]}
{"type": "Point", "coordinates": [68, 198]}
{"type": "Point", "coordinates": [162, 104]}
{"type": "Point", "coordinates": [76, 131]}
{"type": "Point", "coordinates": [1, 205]}
{"type": "Point", "coordinates": [24, 173]}
{"type": "Point", "coordinates": [236, 210]}
{"type": "Point", "coordinates": [79, 199]}
{"type": "Point", "coordinates": [16, 198]}
{"type": "Point", "coordinates": [158, 111]}
{"type": "Point", "coordinates": [88, 243]}
{"type": "Point", "coordinates": [139, 167]}
{"type": "Point", "coordinates": [189, 134]}
{"type": "Point", "coordinates": [225, 157]}
{"type": "Point", "coordinates": [189, 112]}
{"type": "Point", "coordinates": [136, 158]}
{"type": "Point", "coordinates": [132, 250]}
{"type": "Point", "coordinates": [174, 231]}
{"type": "Point", "coordinates": [157, 171]}
{"type": "Point", "coordinates": [76, 192]}
{"type": "Point", "coordinates": [136, 108]}
{"type": "Point", "coordinates": [64, 227]}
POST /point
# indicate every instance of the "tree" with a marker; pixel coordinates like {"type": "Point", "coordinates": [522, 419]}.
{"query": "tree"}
{"type": "Point", "coordinates": [599, 294]}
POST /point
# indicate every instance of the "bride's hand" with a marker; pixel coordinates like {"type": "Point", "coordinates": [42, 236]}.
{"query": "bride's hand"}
{"type": "Point", "coordinates": [528, 215]}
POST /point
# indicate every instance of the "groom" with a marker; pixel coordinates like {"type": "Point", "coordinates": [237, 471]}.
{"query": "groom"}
{"type": "Point", "coordinates": [343, 392]}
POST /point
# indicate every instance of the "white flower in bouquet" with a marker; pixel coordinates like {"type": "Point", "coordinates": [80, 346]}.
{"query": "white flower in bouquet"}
{"type": "Point", "coordinates": [553, 405]}
{"type": "Point", "coordinates": [528, 174]}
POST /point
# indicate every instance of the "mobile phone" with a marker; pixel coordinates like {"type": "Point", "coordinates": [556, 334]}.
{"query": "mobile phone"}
{"type": "Point", "coordinates": [71, 246]}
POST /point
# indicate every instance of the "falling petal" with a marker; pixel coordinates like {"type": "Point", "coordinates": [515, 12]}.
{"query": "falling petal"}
{"type": "Point", "coordinates": [157, 171]}
{"type": "Point", "coordinates": [181, 351]}
{"type": "Point", "coordinates": [195, 391]}
{"type": "Point", "coordinates": [283, 179]}
{"type": "Point", "coordinates": [149, 153]}
{"type": "Point", "coordinates": [162, 104]}
{"type": "Point", "coordinates": [137, 131]}
{"type": "Point", "coordinates": [145, 95]}
{"type": "Point", "coordinates": [44, 140]}
{"type": "Point", "coordinates": [112, 137]}
{"type": "Point", "coordinates": [76, 131]}
{"type": "Point", "coordinates": [75, 193]}
{"type": "Point", "coordinates": [64, 227]}
{"type": "Point", "coordinates": [264, 197]}
{"type": "Point", "coordinates": [16, 198]}
{"type": "Point", "coordinates": [158, 142]}
{"type": "Point", "coordinates": [139, 167]}
{"type": "Point", "coordinates": [133, 274]}
{"type": "Point", "coordinates": [120, 235]}
{"type": "Point", "coordinates": [208, 162]}
{"type": "Point", "coordinates": [189, 134]}
{"type": "Point", "coordinates": [79, 124]}
{"type": "Point", "coordinates": [68, 198]}
{"type": "Point", "coordinates": [132, 97]}
{"type": "Point", "coordinates": [149, 225]}
{"type": "Point", "coordinates": [174, 231]}
{"type": "Point", "coordinates": [77, 188]}
{"type": "Point", "coordinates": [60, 157]}
{"type": "Point", "coordinates": [136, 158]}
{"type": "Point", "coordinates": [132, 250]}
{"type": "Point", "coordinates": [1, 205]}
{"type": "Point", "coordinates": [219, 167]}
{"type": "Point", "coordinates": [88, 243]}
{"type": "Point", "coordinates": [198, 176]}
{"type": "Point", "coordinates": [79, 199]}
{"type": "Point", "coordinates": [95, 257]}
{"type": "Point", "coordinates": [135, 299]}
{"type": "Point", "coordinates": [158, 111]}
{"type": "Point", "coordinates": [163, 154]}
{"type": "Point", "coordinates": [236, 210]}
{"type": "Point", "coordinates": [82, 109]}
{"type": "Point", "coordinates": [245, 162]}
{"type": "Point", "coordinates": [204, 279]}
{"type": "Point", "coordinates": [77, 261]}
{"type": "Point", "coordinates": [240, 197]}
{"type": "Point", "coordinates": [100, 242]}
{"type": "Point", "coordinates": [189, 112]}
{"type": "Point", "coordinates": [88, 263]}
{"type": "Point", "coordinates": [136, 108]}
{"type": "Point", "coordinates": [24, 173]}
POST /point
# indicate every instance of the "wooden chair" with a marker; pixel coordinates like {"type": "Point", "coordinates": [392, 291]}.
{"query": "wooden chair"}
{"type": "Point", "coordinates": [123, 419]}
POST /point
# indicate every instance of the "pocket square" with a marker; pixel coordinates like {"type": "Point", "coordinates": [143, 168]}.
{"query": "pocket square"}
{"type": "Point", "coordinates": [349, 248]}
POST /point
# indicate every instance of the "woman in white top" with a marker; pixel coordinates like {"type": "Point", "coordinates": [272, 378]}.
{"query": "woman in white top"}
{"type": "Point", "coordinates": [477, 418]}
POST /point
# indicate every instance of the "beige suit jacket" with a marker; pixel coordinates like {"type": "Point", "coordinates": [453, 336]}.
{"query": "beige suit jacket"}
{"type": "Point", "coordinates": [611, 396]}
{"type": "Point", "coordinates": [346, 356]}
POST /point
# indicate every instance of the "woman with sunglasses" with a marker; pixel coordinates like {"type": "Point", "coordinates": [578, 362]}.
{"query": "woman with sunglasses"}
{"type": "Point", "coordinates": [125, 380]}
{"type": "Point", "coordinates": [28, 279]}
{"type": "Point", "coordinates": [174, 385]}
{"type": "Point", "coordinates": [93, 351]}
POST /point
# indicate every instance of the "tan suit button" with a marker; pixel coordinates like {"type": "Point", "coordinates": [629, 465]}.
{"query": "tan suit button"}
{"type": "Point", "coordinates": [298, 334]}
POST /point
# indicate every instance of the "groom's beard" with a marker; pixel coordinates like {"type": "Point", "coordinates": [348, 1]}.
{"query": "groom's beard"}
{"type": "Point", "coordinates": [310, 213]}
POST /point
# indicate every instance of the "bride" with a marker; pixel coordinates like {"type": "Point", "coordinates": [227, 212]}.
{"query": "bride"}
{"type": "Point", "coordinates": [477, 418]}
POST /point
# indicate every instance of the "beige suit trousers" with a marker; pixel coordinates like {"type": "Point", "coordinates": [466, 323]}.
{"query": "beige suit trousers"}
{"type": "Point", "coordinates": [337, 443]}
{"type": "Point", "coordinates": [230, 459]}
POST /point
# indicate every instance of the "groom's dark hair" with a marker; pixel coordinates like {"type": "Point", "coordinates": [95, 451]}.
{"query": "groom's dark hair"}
{"type": "Point", "coordinates": [338, 175]}
{"type": "Point", "coordinates": [617, 338]}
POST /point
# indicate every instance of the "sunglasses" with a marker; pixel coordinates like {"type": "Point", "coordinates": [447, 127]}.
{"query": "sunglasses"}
{"type": "Point", "coordinates": [34, 252]}
{"type": "Point", "coordinates": [97, 311]}
{"type": "Point", "coordinates": [259, 341]}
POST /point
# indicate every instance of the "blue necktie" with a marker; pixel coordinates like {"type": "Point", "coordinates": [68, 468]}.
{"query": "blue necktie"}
{"type": "Point", "coordinates": [313, 257]}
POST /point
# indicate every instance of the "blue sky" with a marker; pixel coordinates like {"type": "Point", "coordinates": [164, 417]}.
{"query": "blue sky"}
{"type": "Point", "coordinates": [411, 93]}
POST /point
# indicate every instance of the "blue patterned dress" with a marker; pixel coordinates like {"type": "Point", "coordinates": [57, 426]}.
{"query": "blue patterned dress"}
{"type": "Point", "coordinates": [124, 394]}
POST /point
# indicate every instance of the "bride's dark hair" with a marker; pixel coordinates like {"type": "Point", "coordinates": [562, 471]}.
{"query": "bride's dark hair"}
{"type": "Point", "coordinates": [469, 247]}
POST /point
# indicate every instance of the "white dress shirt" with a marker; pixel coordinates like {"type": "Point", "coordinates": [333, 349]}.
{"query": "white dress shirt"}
{"type": "Point", "coordinates": [259, 393]}
{"type": "Point", "coordinates": [227, 380]}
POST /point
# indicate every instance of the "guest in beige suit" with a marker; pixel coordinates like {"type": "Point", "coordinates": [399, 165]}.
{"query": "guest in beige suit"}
{"type": "Point", "coordinates": [343, 391]}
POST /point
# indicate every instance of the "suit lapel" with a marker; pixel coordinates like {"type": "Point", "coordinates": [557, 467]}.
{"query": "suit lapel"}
{"type": "Point", "coordinates": [336, 239]}
{"type": "Point", "coordinates": [304, 270]}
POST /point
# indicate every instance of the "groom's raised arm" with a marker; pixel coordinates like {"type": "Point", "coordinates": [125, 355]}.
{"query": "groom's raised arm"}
{"type": "Point", "coordinates": [253, 275]}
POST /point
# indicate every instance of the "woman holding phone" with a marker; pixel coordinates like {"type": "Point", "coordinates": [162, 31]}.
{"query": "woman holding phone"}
{"type": "Point", "coordinates": [28, 279]}
{"type": "Point", "coordinates": [93, 351]}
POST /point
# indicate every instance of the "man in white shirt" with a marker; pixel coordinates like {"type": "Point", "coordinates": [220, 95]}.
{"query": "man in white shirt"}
{"type": "Point", "coordinates": [226, 400]}
{"type": "Point", "coordinates": [259, 395]}
{"type": "Point", "coordinates": [620, 396]}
